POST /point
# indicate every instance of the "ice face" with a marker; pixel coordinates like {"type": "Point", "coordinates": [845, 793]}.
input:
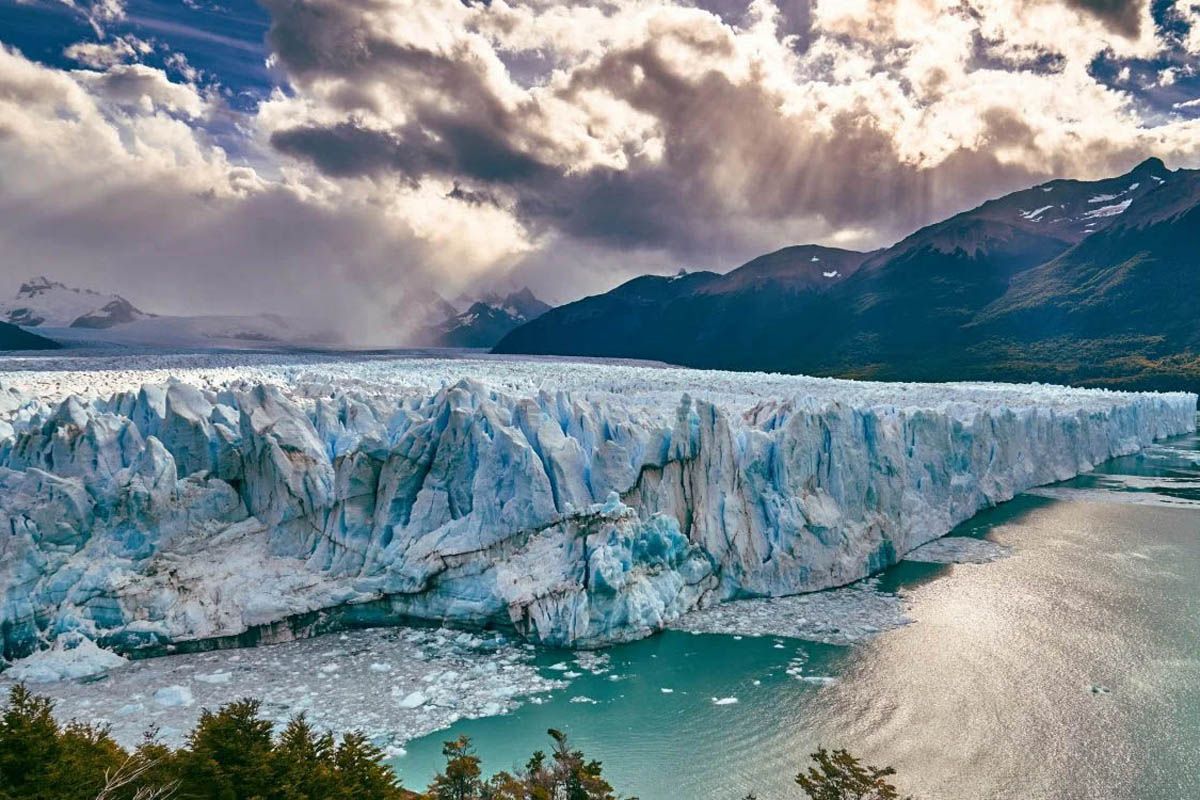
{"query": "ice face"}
{"type": "Point", "coordinates": [158, 502]}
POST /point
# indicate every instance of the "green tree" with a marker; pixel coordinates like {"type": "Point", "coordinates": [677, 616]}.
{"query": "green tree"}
{"type": "Point", "coordinates": [29, 745]}
{"type": "Point", "coordinates": [232, 755]}
{"type": "Point", "coordinates": [461, 778]}
{"type": "Point", "coordinates": [361, 775]}
{"type": "Point", "coordinates": [840, 776]}
{"type": "Point", "coordinates": [87, 754]}
{"type": "Point", "coordinates": [302, 763]}
{"type": "Point", "coordinates": [228, 755]}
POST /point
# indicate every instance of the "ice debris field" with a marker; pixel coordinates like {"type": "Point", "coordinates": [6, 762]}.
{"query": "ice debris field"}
{"type": "Point", "coordinates": [161, 504]}
{"type": "Point", "coordinates": [392, 684]}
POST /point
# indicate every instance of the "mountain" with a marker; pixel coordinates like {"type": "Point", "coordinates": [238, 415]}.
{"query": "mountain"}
{"type": "Point", "coordinates": [85, 318]}
{"type": "Point", "coordinates": [1120, 306]}
{"type": "Point", "coordinates": [486, 321]}
{"type": "Point", "coordinates": [41, 302]}
{"type": "Point", "coordinates": [13, 337]}
{"type": "Point", "coordinates": [656, 317]}
{"type": "Point", "coordinates": [1054, 265]}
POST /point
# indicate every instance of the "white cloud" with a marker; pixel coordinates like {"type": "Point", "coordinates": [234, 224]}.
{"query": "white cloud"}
{"type": "Point", "coordinates": [105, 54]}
{"type": "Point", "coordinates": [110, 181]}
{"type": "Point", "coordinates": [655, 134]}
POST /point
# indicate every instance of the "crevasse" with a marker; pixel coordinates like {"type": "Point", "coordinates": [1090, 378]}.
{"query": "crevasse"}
{"type": "Point", "coordinates": [577, 504]}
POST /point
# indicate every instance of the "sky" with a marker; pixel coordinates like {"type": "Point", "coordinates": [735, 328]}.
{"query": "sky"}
{"type": "Point", "coordinates": [338, 159]}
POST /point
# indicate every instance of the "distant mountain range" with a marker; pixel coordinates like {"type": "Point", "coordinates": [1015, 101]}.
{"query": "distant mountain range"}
{"type": "Point", "coordinates": [1089, 282]}
{"type": "Point", "coordinates": [41, 302]}
{"type": "Point", "coordinates": [53, 313]}
{"type": "Point", "coordinates": [49, 313]}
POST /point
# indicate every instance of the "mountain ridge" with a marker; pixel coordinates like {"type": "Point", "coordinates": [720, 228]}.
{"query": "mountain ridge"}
{"type": "Point", "coordinates": [940, 304]}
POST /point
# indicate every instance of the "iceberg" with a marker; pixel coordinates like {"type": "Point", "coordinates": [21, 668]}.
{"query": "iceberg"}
{"type": "Point", "coordinates": [156, 504]}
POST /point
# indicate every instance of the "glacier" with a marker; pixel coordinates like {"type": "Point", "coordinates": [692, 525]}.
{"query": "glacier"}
{"type": "Point", "coordinates": [160, 504]}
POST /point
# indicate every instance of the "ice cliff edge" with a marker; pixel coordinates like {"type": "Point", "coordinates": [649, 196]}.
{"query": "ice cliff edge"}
{"type": "Point", "coordinates": [174, 511]}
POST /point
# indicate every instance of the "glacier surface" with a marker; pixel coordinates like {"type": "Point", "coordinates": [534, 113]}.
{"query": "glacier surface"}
{"type": "Point", "coordinates": [157, 503]}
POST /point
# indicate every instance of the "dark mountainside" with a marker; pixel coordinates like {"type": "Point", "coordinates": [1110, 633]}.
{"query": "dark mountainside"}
{"type": "Point", "coordinates": [485, 322]}
{"type": "Point", "coordinates": [14, 338]}
{"type": "Point", "coordinates": [1087, 282]}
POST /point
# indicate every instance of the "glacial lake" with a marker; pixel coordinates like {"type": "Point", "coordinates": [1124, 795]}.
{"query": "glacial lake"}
{"type": "Point", "coordinates": [1070, 669]}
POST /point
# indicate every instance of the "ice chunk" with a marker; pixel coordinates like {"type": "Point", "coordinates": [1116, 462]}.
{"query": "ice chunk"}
{"type": "Point", "coordinates": [70, 658]}
{"type": "Point", "coordinates": [413, 700]}
{"type": "Point", "coordinates": [959, 550]}
{"type": "Point", "coordinates": [215, 678]}
{"type": "Point", "coordinates": [174, 696]}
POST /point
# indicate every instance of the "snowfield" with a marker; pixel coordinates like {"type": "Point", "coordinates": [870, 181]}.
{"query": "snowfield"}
{"type": "Point", "coordinates": [154, 502]}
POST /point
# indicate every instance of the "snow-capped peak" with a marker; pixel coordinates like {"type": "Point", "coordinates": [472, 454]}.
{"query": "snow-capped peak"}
{"type": "Point", "coordinates": [51, 304]}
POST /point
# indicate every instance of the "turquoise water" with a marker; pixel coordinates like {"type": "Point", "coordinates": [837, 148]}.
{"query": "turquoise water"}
{"type": "Point", "coordinates": [1069, 670]}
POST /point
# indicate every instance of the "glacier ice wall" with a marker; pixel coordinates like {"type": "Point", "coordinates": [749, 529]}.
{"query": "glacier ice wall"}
{"type": "Point", "coordinates": [576, 503]}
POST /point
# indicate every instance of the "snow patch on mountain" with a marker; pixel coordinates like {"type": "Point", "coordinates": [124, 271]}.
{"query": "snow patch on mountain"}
{"type": "Point", "coordinates": [41, 302]}
{"type": "Point", "coordinates": [1036, 214]}
{"type": "Point", "coordinates": [1114, 210]}
{"type": "Point", "coordinates": [152, 505]}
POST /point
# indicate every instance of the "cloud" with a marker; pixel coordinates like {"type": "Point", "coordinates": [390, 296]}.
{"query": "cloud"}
{"type": "Point", "coordinates": [98, 13]}
{"type": "Point", "coordinates": [1122, 16]}
{"type": "Point", "coordinates": [573, 144]}
{"type": "Point", "coordinates": [99, 55]}
{"type": "Point", "coordinates": [110, 181]}
{"type": "Point", "coordinates": [703, 130]}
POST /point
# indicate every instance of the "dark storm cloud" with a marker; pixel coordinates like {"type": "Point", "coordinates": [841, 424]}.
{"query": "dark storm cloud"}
{"type": "Point", "coordinates": [734, 171]}
{"type": "Point", "coordinates": [1121, 16]}
{"type": "Point", "coordinates": [451, 148]}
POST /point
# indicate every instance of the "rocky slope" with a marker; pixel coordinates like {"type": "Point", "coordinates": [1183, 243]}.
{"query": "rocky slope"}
{"type": "Point", "coordinates": [14, 338]}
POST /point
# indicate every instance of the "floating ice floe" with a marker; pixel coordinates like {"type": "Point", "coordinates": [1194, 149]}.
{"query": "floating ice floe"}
{"type": "Point", "coordinates": [837, 616]}
{"type": "Point", "coordinates": [174, 696]}
{"type": "Point", "coordinates": [959, 550]}
{"type": "Point", "coordinates": [215, 678]}
{"type": "Point", "coordinates": [1114, 496]}
{"type": "Point", "coordinates": [480, 676]}
{"type": "Point", "coordinates": [70, 658]}
{"type": "Point", "coordinates": [594, 662]}
{"type": "Point", "coordinates": [412, 700]}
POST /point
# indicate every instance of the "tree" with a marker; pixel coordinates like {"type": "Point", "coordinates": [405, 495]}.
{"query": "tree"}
{"type": "Point", "coordinates": [231, 754]}
{"type": "Point", "coordinates": [87, 758]}
{"type": "Point", "coordinates": [567, 775]}
{"type": "Point", "coordinates": [228, 755]}
{"type": "Point", "coordinates": [302, 763]}
{"type": "Point", "coordinates": [840, 776]}
{"type": "Point", "coordinates": [360, 774]}
{"type": "Point", "coordinates": [29, 745]}
{"type": "Point", "coordinates": [461, 778]}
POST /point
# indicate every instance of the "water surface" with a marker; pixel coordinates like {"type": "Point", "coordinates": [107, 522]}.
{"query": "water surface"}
{"type": "Point", "coordinates": [1069, 670]}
